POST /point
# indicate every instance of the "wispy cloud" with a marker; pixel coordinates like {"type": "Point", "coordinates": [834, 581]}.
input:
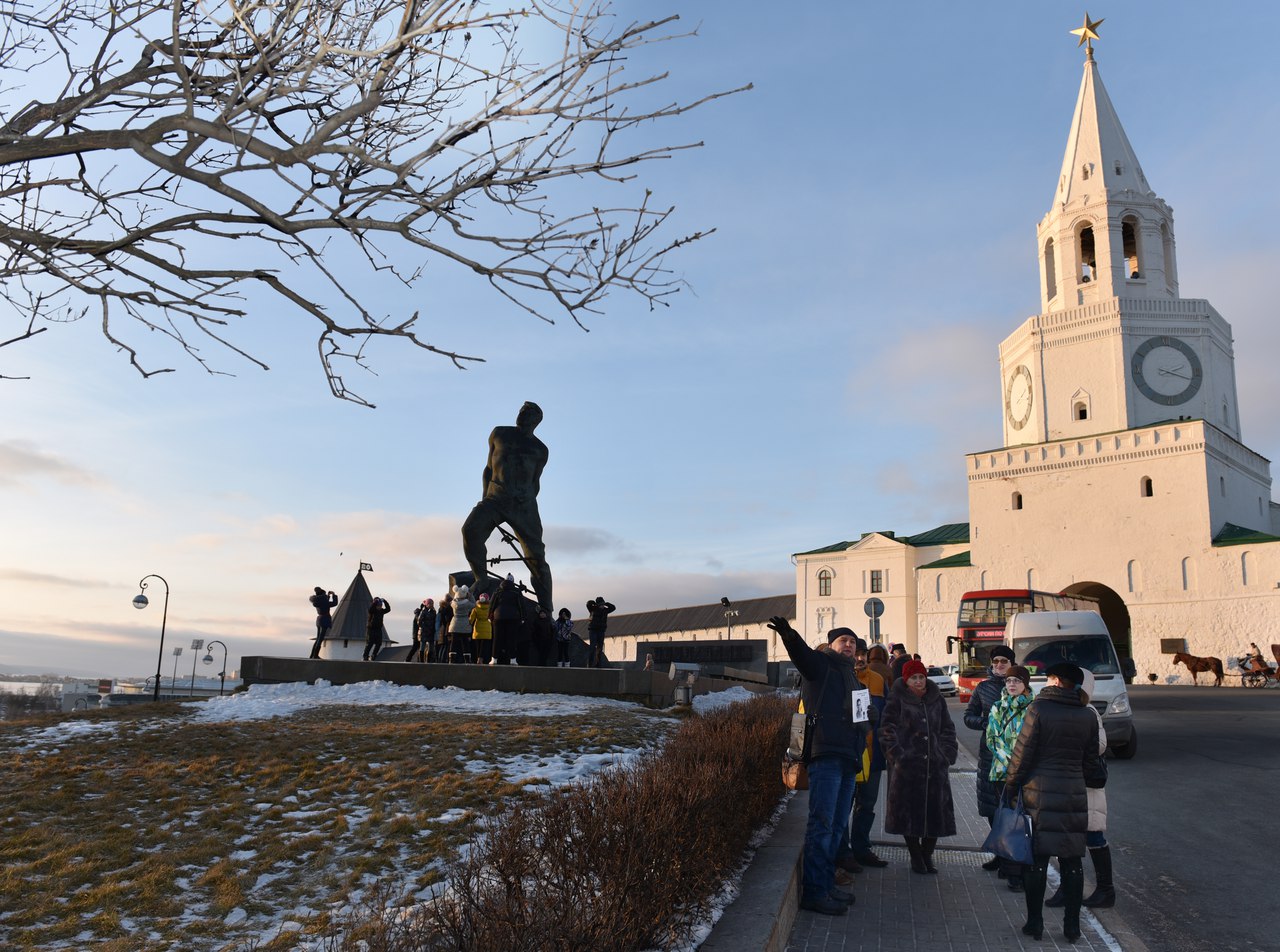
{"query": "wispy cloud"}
{"type": "Point", "coordinates": [44, 578]}
{"type": "Point", "coordinates": [23, 463]}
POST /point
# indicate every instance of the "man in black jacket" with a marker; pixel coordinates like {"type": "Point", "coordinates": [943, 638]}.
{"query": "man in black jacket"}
{"type": "Point", "coordinates": [827, 686]}
{"type": "Point", "coordinates": [598, 610]}
{"type": "Point", "coordinates": [984, 697]}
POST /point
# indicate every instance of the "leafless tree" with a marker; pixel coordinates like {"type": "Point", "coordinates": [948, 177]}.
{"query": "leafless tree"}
{"type": "Point", "coordinates": [165, 162]}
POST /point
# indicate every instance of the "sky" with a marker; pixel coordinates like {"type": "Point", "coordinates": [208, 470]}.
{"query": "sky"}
{"type": "Point", "coordinates": [834, 356]}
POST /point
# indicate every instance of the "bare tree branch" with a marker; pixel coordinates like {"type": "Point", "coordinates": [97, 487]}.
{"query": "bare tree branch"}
{"type": "Point", "coordinates": [189, 165]}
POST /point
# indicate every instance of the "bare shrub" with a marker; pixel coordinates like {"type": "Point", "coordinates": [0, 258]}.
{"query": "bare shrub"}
{"type": "Point", "coordinates": [628, 860]}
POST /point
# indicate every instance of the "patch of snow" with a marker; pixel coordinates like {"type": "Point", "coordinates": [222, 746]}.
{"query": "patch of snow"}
{"type": "Point", "coordinates": [704, 703]}
{"type": "Point", "coordinates": [265, 701]}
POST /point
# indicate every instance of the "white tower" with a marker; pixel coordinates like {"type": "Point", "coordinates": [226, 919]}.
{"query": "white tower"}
{"type": "Point", "coordinates": [1115, 347]}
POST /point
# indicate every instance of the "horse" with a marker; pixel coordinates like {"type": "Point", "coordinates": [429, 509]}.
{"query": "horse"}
{"type": "Point", "coordinates": [1198, 665]}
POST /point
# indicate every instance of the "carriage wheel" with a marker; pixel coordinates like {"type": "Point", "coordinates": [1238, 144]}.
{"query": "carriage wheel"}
{"type": "Point", "coordinates": [1254, 679]}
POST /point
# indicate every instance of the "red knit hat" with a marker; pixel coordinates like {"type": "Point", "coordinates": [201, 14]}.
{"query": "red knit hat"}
{"type": "Point", "coordinates": [913, 667]}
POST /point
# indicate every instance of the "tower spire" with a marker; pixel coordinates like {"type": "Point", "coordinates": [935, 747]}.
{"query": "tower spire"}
{"type": "Point", "coordinates": [1107, 234]}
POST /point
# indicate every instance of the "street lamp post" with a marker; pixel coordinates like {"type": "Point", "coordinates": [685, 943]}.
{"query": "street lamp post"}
{"type": "Point", "coordinates": [729, 613]}
{"type": "Point", "coordinates": [208, 659]}
{"type": "Point", "coordinates": [196, 645]}
{"type": "Point", "coordinates": [140, 602]}
{"type": "Point", "coordinates": [173, 681]}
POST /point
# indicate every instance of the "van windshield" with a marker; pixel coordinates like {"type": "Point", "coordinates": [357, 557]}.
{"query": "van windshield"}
{"type": "Point", "coordinates": [1092, 652]}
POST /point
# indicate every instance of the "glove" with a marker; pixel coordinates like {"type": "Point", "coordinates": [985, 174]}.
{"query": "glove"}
{"type": "Point", "coordinates": [780, 625]}
{"type": "Point", "coordinates": [873, 714]}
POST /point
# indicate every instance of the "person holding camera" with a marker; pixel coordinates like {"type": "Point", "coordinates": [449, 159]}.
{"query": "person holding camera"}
{"type": "Point", "coordinates": [373, 639]}
{"type": "Point", "coordinates": [324, 621]}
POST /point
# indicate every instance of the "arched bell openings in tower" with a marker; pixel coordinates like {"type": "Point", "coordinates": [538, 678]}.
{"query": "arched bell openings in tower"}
{"type": "Point", "coordinates": [1131, 242]}
{"type": "Point", "coordinates": [1085, 253]}
{"type": "Point", "coordinates": [1050, 272]}
{"type": "Point", "coordinates": [1170, 266]}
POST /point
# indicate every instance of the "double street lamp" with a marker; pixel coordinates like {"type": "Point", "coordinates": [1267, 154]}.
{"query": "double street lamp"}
{"type": "Point", "coordinates": [140, 602]}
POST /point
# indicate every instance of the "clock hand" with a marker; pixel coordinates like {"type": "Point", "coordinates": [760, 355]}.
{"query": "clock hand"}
{"type": "Point", "coordinates": [1173, 373]}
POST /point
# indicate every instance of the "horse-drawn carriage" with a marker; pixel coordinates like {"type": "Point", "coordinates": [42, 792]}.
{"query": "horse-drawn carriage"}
{"type": "Point", "coordinates": [1256, 673]}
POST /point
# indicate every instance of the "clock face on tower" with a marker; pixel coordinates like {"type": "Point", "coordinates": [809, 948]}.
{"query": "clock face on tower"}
{"type": "Point", "coordinates": [1167, 370]}
{"type": "Point", "coordinates": [1017, 397]}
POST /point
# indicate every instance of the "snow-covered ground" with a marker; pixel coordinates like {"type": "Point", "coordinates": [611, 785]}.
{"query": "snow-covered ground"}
{"type": "Point", "coordinates": [263, 702]}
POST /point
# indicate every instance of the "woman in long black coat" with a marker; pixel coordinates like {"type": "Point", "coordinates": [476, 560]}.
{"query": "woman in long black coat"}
{"type": "Point", "coordinates": [1056, 753]}
{"type": "Point", "coordinates": [918, 738]}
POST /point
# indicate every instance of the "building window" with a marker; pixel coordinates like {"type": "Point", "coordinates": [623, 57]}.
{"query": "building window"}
{"type": "Point", "coordinates": [1088, 261]}
{"type": "Point", "coordinates": [877, 580]}
{"type": "Point", "coordinates": [1188, 575]}
{"type": "Point", "coordinates": [1222, 485]}
{"type": "Point", "coordinates": [1246, 563]}
{"type": "Point", "coordinates": [1131, 238]}
{"type": "Point", "coordinates": [937, 587]}
{"type": "Point", "coordinates": [824, 582]}
{"type": "Point", "coordinates": [1081, 410]}
{"type": "Point", "coordinates": [1017, 500]}
{"type": "Point", "coordinates": [1050, 271]}
{"type": "Point", "coordinates": [1148, 487]}
{"type": "Point", "coordinates": [1131, 570]}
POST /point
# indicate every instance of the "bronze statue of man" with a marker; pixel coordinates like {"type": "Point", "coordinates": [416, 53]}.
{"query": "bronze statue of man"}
{"type": "Point", "coordinates": [511, 481]}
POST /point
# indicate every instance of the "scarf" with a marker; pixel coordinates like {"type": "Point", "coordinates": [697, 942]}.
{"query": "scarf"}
{"type": "Point", "coordinates": [1003, 726]}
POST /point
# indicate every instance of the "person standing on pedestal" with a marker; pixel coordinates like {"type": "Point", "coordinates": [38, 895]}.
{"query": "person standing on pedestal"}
{"type": "Point", "coordinates": [322, 603]}
{"type": "Point", "coordinates": [598, 610]}
{"type": "Point", "coordinates": [378, 610]}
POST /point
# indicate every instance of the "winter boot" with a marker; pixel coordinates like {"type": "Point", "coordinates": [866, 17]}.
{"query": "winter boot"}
{"type": "Point", "coordinates": [916, 854]}
{"type": "Point", "coordinates": [1033, 881]}
{"type": "Point", "coordinates": [1104, 894]}
{"type": "Point", "coordinates": [1073, 888]}
{"type": "Point", "coordinates": [926, 849]}
{"type": "Point", "coordinates": [992, 864]}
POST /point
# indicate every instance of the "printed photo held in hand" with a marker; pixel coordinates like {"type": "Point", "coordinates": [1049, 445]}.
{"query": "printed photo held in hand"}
{"type": "Point", "coordinates": [184, 167]}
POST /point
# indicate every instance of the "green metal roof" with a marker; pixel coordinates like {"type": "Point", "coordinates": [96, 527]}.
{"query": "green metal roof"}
{"type": "Point", "coordinates": [953, 533]}
{"type": "Point", "coordinates": [950, 534]}
{"type": "Point", "coordinates": [834, 547]}
{"type": "Point", "coordinates": [1232, 534]}
{"type": "Point", "coordinates": [958, 561]}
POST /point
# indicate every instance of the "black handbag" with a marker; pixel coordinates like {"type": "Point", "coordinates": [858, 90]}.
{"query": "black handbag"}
{"type": "Point", "coordinates": [1010, 836]}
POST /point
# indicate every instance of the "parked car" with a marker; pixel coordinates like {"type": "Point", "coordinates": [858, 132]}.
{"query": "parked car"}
{"type": "Point", "coordinates": [943, 681]}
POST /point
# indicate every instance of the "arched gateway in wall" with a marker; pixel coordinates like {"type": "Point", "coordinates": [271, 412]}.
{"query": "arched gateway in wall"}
{"type": "Point", "coordinates": [1113, 610]}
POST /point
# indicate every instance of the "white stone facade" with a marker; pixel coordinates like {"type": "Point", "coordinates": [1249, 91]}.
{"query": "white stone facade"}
{"type": "Point", "coordinates": [1122, 474]}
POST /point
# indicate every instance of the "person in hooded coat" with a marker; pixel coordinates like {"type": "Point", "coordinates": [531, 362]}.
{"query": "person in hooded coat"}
{"type": "Point", "coordinates": [460, 624]}
{"type": "Point", "coordinates": [976, 714]}
{"type": "Point", "coordinates": [1055, 756]}
{"type": "Point", "coordinates": [919, 741]}
{"type": "Point", "coordinates": [506, 611]}
{"type": "Point", "coordinates": [482, 631]}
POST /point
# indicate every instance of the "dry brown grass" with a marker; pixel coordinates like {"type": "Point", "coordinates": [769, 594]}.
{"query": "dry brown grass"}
{"type": "Point", "coordinates": [149, 836]}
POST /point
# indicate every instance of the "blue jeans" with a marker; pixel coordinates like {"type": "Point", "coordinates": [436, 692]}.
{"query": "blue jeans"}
{"type": "Point", "coordinates": [864, 813]}
{"type": "Point", "coordinates": [830, 795]}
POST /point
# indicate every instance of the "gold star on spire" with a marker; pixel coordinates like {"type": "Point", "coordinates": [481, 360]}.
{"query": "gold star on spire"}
{"type": "Point", "coordinates": [1088, 33]}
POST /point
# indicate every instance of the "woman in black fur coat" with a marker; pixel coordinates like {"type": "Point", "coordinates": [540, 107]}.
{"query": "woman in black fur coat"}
{"type": "Point", "coordinates": [919, 740]}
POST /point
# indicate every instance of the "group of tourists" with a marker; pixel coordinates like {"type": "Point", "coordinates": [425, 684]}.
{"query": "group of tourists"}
{"type": "Point", "coordinates": [1045, 752]}
{"type": "Point", "coordinates": [466, 629]}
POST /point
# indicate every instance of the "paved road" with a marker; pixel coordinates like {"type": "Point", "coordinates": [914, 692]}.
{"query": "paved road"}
{"type": "Point", "coordinates": [1192, 822]}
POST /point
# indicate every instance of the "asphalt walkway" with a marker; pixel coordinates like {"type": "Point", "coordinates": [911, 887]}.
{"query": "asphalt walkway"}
{"type": "Point", "coordinates": [961, 909]}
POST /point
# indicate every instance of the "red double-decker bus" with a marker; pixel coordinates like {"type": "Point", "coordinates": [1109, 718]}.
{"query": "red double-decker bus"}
{"type": "Point", "coordinates": [980, 625]}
